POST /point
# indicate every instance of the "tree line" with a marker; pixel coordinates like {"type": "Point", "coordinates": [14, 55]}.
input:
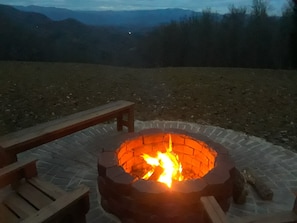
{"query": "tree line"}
{"type": "Point", "coordinates": [236, 39]}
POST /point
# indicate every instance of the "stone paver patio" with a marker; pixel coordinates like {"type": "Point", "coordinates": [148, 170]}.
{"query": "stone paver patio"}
{"type": "Point", "coordinates": [72, 160]}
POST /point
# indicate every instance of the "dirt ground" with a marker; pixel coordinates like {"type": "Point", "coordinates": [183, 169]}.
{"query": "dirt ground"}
{"type": "Point", "coordinates": [258, 102]}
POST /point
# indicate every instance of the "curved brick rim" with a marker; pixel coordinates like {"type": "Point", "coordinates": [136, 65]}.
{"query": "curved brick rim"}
{"type": "Point", "coordinates": [144, 201]}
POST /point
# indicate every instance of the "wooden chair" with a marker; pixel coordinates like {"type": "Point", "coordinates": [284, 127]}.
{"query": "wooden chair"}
{"type": "Point", "coordinates": [27, 199]}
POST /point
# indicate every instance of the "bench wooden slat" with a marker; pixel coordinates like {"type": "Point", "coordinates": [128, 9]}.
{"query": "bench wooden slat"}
{"type": "Point", "coordinates": [33, 195]}
{"type": "Point", "coordinates": [60, 206]}
{"type": "Point", "coordinates": [7, 216]}
{"type": "Point", "coordinates": [12, 173]}
{"type": "Point", "coordinates": [213, 210]}
{"type": "Point", "coordinates": [49, 189]}
{"type": "Point", "coordinates": [28, 138]}
{"type": "Point", "coordinates": [19, 206]}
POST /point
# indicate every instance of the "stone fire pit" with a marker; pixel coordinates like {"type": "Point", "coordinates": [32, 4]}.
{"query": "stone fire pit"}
{"type": "Point", "coordinates": [207, 168]}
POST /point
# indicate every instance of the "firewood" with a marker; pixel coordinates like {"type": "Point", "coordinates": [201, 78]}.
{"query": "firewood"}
{"type": "Point", "coordinates": [239, 188]}
{"type": "Point", "coordinates": [259, 185]}
{"type": "Point", "coordinates": [157, 172]}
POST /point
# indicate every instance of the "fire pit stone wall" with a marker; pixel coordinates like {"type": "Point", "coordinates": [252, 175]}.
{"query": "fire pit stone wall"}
{"type": "Point", "coordinates": [132, 199]}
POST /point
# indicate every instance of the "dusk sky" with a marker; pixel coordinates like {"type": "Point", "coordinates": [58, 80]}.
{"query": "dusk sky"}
{"type": "Point", "coordinates": [220, 6]}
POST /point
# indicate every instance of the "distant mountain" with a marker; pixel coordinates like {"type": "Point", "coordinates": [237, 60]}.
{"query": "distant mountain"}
{"type": "Point", "coordinates": [34, 37]}
{"type": "Point", "coordinates": [137, 18]}
{"type": "Point", "coordinates": [21, 17]}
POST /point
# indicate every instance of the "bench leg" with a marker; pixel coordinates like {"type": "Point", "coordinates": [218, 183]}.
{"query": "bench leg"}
{"type": "Point", "coordinates": [120, 122]}
{"type": "Point", "coordinates": [129, 122]}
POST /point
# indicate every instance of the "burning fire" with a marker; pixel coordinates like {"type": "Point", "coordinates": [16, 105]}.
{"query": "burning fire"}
{"type": "Point", "coordinates": [165, 166]}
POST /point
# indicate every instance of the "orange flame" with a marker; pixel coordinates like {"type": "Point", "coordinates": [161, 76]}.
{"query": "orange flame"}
{"type": "Point", "coordinates": [169, 163]}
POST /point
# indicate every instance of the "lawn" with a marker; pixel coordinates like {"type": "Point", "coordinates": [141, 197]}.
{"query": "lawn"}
{"type": "Point", "coordinates": [258, 102]}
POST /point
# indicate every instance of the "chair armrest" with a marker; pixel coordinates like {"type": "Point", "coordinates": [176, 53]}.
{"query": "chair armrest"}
{"type": "Point", "coordinates": [213, 210]}
{"type": "Point", "coordinates": [76, 202]}
{"type": "Point", "coordinates": [21, 169]}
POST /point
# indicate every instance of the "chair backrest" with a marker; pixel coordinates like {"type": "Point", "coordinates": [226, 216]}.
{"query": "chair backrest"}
{"type": "Point", "coordinates": [11, 173]}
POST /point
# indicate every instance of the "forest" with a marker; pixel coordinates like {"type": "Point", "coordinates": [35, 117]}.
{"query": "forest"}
{"type": "Point", "coordinates": [236, 39]}
{"type": "Point", "coordinates": [243, 37]}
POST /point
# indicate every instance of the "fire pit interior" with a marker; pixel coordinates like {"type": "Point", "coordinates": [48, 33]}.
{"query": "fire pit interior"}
{"type": "Point", "coordinates": [194, 158]}
{"type": "Point", "coordinates": [159, 176]}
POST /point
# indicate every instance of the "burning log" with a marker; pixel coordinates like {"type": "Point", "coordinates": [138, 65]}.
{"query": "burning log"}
{"type": "Point", "coordinates": [260, 187]}
{"type": "Point", "coordinates": [157, 172]}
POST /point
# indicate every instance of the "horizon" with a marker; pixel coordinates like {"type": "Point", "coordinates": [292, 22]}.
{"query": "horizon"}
{"type": "Point", "coordinates": [275, 7]}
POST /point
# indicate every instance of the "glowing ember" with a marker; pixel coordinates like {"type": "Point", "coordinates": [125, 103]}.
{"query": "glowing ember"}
{"type": "Point", "coordinates": [165, 165]}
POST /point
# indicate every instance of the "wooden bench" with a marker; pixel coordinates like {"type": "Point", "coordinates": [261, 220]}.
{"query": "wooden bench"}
{"type": "Point", "coordinates": [214, 214]}
{"type": "Point", "coordinates": [27, 199]}
{"type": "Point", "coordinates": [17, 142]}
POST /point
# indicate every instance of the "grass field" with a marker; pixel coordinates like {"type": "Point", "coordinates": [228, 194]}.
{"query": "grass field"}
{"type": "Point", "coordinates": [258, 102]}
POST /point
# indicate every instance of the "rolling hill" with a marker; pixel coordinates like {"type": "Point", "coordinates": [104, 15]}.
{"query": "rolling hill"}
{"type": "Point", "coordinates": [35, 37]}
{"type": "Point", "coordinates": [135, 20]}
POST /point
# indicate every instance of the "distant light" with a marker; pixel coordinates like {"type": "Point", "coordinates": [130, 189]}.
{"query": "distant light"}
{"type": "Point", "coordinates": [129, 33]}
